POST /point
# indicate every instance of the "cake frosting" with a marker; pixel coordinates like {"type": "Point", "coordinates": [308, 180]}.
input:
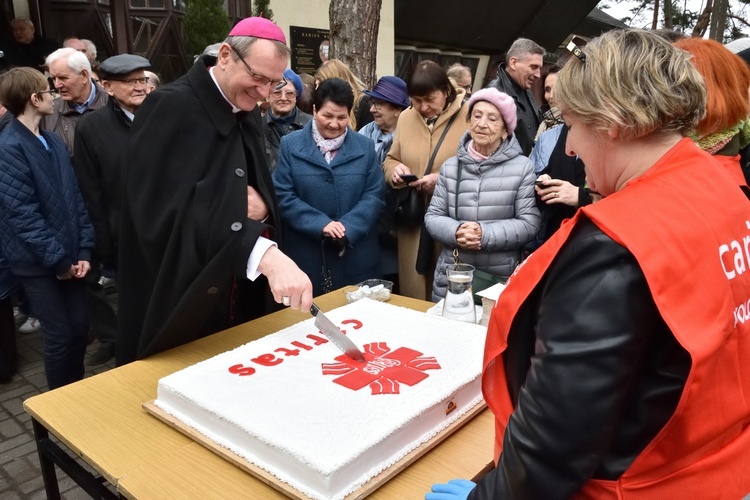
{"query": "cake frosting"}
{"type": "Point", "coordinates": [292, 404]}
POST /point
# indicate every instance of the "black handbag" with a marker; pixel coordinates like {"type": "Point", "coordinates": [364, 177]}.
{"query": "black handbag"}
{"type": "Point", "coordinates": [339, 245]}
{"type": "Point", "coordinates": [410, 206]}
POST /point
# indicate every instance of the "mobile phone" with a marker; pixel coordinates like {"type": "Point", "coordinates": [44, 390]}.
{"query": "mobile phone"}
{"type": "Point", "coordinates": [407, 178]}
{"type": "Point", "coordinates": [539, 183]}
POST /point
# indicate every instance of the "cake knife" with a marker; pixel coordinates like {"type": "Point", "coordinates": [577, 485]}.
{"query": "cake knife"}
{"type": "Point", "coordinates": [335, 335]}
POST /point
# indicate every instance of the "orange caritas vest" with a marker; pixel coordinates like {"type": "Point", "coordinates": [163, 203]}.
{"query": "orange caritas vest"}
{"type": "Point", "coordinates": [688, 225]}
{"type": "Point", "coordinates": [732, 164]}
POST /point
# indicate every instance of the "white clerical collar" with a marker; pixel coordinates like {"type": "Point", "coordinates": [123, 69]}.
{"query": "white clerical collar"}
{"type": "Point", "coordinates": [235, 109]}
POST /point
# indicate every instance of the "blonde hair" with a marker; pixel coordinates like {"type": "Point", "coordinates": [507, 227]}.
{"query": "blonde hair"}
{"type": "Point", "coordinates": [634, 81]}
{"type": "Point", "coordinates": [333, 68]}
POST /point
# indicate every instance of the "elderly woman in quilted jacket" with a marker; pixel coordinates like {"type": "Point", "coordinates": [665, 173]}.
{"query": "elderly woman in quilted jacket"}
{"type": "Point", "coordinates": [45, 231]}
{"type": "Point", "coordinates": [483, 204]}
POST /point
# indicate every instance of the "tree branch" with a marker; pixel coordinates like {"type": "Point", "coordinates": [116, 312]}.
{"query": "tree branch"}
{"type": "Point", "coordinates": [739, 19]}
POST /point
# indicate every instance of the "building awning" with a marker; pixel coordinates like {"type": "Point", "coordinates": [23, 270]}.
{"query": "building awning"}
{"type": "Point", "coordinates": [487, 26]}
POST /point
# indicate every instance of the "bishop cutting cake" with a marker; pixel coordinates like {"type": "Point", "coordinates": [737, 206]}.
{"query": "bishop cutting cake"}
{"type": "Point", "coordinates": [292, 404]}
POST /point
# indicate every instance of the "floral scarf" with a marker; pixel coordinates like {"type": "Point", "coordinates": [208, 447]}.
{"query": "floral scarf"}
{"type": "Point", "coordinates": [328, 147]}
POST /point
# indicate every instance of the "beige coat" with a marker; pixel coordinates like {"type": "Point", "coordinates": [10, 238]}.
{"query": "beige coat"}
{"type": "Point", "coordinates": [413, 143]}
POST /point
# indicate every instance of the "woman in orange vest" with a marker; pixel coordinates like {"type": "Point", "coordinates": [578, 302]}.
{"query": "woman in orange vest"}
{"type": "Point", "coordinates": [617, 361]}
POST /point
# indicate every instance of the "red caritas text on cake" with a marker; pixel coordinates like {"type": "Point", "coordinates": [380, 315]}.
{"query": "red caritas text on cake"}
{"type": "Point", "coordinates": [296, 348]}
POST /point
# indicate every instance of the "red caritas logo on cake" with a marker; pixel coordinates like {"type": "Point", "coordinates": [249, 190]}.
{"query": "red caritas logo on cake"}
{"type": "Point", "coordinates": [384, 371]}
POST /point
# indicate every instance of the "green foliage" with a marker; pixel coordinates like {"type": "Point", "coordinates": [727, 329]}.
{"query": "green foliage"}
{"type": "Point", "coordinates": [263, 9]}
{"type": "Point", "coordinates": [205, 23]}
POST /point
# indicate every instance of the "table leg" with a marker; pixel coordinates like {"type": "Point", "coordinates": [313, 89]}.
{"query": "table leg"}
{"type": "Point", "coordinates": [41, 435]}
{"type": "Point", "coordinates": [51, 454]}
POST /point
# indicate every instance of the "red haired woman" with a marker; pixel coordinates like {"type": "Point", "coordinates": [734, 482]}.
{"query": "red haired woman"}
{"type": "Point", "coordinates": [725, 128]}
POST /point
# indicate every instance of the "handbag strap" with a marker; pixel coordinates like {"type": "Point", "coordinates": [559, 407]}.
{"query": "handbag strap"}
{"type": "Point", "coordinates": [440, 141]}
{"type": "Point", "coordinates": [458, 183]}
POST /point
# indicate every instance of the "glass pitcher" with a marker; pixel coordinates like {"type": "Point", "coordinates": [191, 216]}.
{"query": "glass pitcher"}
{"type": "Point", "coordinates": [459, 297]}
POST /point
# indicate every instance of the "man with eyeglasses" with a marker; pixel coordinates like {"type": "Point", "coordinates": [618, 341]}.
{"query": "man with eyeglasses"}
{"type": "Point", "coordinates": [199, 213]}
{"type": "Point", "coordinates": [283, 116]}
{"type": "Point", "coordinates": [100, 144]}
{"type": "Point", "coordinates": [462, 76]}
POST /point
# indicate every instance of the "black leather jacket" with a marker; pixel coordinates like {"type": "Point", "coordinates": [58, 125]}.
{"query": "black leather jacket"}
{"type": "Point", "coordinates": [593, 371]}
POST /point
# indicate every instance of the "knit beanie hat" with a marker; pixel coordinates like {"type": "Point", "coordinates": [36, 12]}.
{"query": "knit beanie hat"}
{"type": "Point", "coordinates": [293, 78]}
{"type": "Point", "coordinates": [502, 101]}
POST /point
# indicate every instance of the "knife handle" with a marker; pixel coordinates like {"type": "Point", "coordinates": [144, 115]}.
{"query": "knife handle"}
{"type": "Point", "coordinates": [314, 310]}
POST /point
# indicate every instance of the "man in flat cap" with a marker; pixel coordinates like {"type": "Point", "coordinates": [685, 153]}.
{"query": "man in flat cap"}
{"type": "Point", "coordinates": [199, 214]}
{"type": "Point", "coordinates": [100, 145]}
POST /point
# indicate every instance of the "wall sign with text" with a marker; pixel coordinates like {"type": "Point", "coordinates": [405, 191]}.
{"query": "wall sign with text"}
{"type": "Point", "coordinates": [310, 48]}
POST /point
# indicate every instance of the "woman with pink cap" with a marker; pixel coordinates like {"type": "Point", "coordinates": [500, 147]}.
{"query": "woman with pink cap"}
{"type": "Point", "coordinates": [483, 209]}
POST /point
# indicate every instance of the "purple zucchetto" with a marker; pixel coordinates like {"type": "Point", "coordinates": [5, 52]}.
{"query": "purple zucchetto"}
{"type": "Point", "coordinates": [258, 27]}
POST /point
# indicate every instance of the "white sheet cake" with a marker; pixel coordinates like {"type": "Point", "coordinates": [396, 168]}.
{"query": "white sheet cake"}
{"type": "Point", "coordinates": [294, 405]}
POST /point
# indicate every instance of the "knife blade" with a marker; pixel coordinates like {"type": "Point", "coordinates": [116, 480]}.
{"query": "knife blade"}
{"type": "Point", "coordinates": [335, 335]}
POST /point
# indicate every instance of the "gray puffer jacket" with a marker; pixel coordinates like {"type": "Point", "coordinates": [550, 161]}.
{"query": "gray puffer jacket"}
{"type": "Point", "coordinates": [499, 194]}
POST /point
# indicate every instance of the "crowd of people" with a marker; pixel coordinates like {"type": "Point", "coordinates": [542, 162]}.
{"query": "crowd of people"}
{"type": "Point", "coordinates": [243, 187]}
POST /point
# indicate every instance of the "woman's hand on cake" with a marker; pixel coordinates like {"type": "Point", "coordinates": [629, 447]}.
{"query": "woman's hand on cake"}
{"type": "Point", "coordinates": [455, 489]}
{"type": "Point", "coordinates": [288, 284]}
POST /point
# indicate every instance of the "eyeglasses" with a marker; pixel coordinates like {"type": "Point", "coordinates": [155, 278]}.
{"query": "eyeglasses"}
{"type": "Point", "coordinates": [52, 92]}
{"type": "Point", "coordinates": [287, 94]}
{"type": "Point", "coordinates": [132, 81]}
{"type": "Point", "coordinates": [577, 51]}
{"type": "Point", "coordinates": [376, 104]}
{"type": "Point", "coordinates": [260, 79]}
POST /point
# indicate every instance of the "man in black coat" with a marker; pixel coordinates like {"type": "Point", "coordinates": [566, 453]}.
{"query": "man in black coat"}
{"type": "Point", "coordinates": [515, 77]}
{"type": "Point", "coordinates": [100, 144]}
{"type": "Point", "coordinates": [28, 49]}
{"type": "Point", "coordinates": [199, 207]}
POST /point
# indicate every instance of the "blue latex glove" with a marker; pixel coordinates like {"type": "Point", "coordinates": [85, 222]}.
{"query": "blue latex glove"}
{"type": "Point", "coordinates": [455, 489]}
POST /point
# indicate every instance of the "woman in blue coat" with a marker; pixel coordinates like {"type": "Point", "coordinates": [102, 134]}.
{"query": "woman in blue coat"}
{"type": "Point", "coordinates": [45, 232]}
{"type": "Point", "coordinates": [330, 191]}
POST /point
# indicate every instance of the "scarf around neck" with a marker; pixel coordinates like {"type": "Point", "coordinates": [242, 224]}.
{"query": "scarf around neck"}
{"type": "Point", "coordinates": [479, 157]}
{"type": "Point", "coordinates": [328, 147]}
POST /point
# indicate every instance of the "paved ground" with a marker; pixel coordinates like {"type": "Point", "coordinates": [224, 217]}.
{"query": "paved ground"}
{"type": "Point", "coordinates": [20, 475]}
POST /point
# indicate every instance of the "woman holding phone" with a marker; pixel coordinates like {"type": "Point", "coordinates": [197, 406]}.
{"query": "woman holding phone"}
{"type": "Point", "coordinates": [427, 134]}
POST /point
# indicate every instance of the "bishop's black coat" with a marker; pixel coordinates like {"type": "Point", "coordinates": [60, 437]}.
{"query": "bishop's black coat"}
{"type": "Point", "coordinates": [185, 234]}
